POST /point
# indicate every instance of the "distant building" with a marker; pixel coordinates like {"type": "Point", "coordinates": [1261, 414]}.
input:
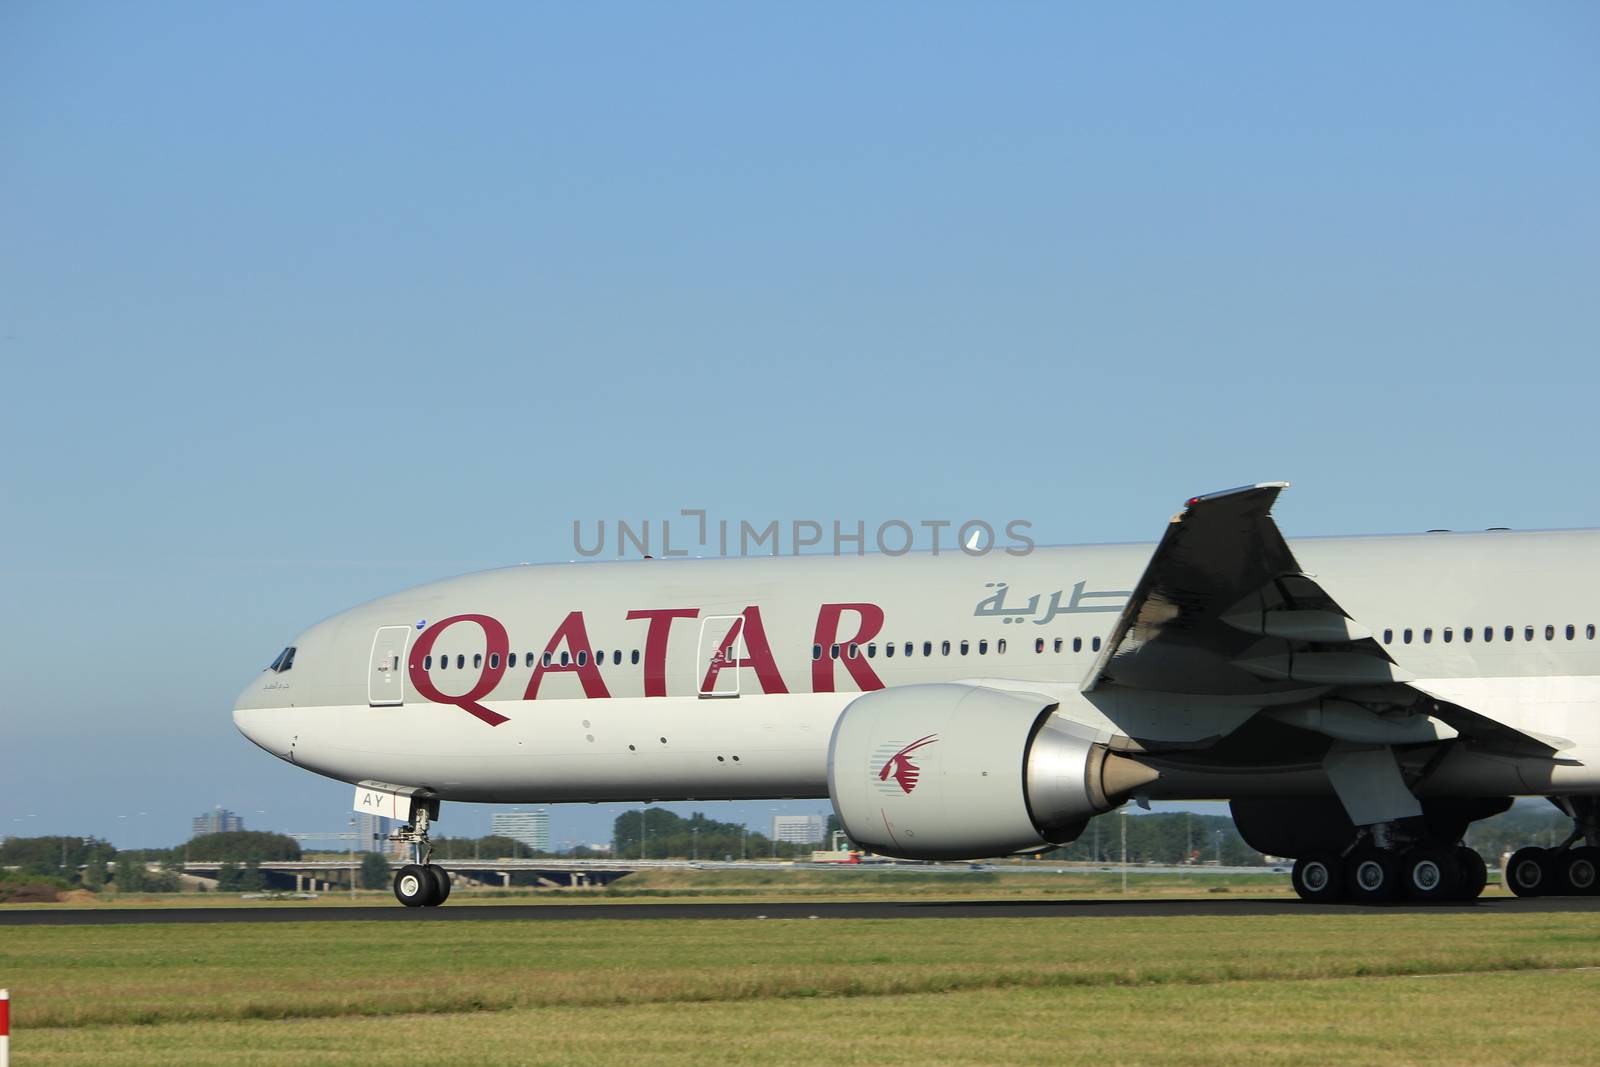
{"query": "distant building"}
{"type": "Point", "coordinates": [372, 833]}
{"type": "Point", "coordinates": [798, 829]}
{"type": "Point", "coordinates": [218, 821]}
{"type": "Point", "coordinates": [532, 828]}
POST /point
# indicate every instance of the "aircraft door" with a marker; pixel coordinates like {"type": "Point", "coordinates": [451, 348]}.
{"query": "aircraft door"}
{"type": "Point", "coordinates": [386, 676]}
{"type": "Point", "coordinates": [721, 658]}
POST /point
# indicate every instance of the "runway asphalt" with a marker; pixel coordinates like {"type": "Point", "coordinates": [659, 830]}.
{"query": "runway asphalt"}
{"type": "Point", "coordinates": [896, 909]}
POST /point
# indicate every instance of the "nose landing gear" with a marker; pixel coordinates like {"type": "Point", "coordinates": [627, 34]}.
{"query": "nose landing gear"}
{"type": "Point", "coordinates": [420, 884]}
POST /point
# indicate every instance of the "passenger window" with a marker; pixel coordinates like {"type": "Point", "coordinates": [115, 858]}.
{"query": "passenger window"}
{"type": "Point", "coordinates": [583, 657]}
{"type": "Point", "coordinates": [1405, 636]}
{"type": "Point", "coordinates": [872, 649]}
{"type": "Point", "coordinates": [616, 657]}
{"type": "Point", "coordinates": [833, 651]}
{"type": "Point", "coordinates": [1572, 631]}
{"type": "Point", "coordinates": [1059, 643]}
{"type": "Point", "coordinates": [908, 649]}
{"type": "Point", "coordinates": [1488, 634]}
{"type": "Point", "coordinates": [566, 658]}
{"type": "Point", "coordinates": [983, 648]}
{"type": "Point", "coordinates": [634, 659]}
{"type": "Point", "coordinates": [1000, 645]}
{"type": "Point", "coordinates": [444, 663]}
{"type": "Point", "coordinates": [1095, 644]}
{"type": "Point", "coordinates": [888, 649]}
{"type": "Point", "coordinates": [1588, 632]}
{"type": "Point", "coordinates": [1448, 635]}
{"type": "Point", "coordinates": [927, 648]}
{"type": "Point", "coordinates": [461, 661]}
{"type": "Point", "coordinates": [546, 659]}
{"type": "Point", "coordinates": [1388, 637]}
{"type": "Point", "coordinates": [1466, 633]}
{"type": "Point", "coordinates": [853, 648]}
{"type": "Point", "coordinates": [528, 661]}
{"type": "Point", "coordinates": [494, 661]}
{"type": "Point", "coordinates": [1527, 633]}
{"type": "Point", "coordinates": [1427, 635]}
{"type": "Point", "coordinates": [1038, 644]}
{"type": "Point", "coordinates": [964, 648]}
{"type": "Point", "coordinates": [427, 663]}
{"type": "Point", "coordinates": [1549, 633]}
{"type": "Point", "coordinates": [1077, 644]}
{"type": "Point", "coordinates": [1511, 633]}
{"type": "Point", "coordinates": [944, 648]}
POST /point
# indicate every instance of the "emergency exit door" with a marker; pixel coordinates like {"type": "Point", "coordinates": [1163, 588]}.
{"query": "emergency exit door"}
{"type": "Point", "coordinates": [721, 660]}
{"type": "Point", "coordinates": [386, 675]}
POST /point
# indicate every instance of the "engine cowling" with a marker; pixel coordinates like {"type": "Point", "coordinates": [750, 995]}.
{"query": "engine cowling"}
{"type": "Point", "coordinates": [947, 771]}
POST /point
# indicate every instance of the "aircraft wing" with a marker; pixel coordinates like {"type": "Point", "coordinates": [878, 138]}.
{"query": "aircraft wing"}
{"type": "Point", "coordinates": [1223, 608]}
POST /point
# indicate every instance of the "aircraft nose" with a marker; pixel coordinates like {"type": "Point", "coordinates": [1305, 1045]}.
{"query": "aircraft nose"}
{"type": "Point", "coordinates": [262, 726]}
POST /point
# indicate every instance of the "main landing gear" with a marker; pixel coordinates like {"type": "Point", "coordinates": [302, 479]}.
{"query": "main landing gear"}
{"type": "Point", "coordinates": [1376, 868]}
{"type": "Point", "coordinates": [1571, 868]}
{"type": "Point", "coordinates": [420, 884]}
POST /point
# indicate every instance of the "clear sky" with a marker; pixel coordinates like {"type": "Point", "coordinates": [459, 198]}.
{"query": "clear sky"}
{"type": "Point", "coordinates": [303, 304]}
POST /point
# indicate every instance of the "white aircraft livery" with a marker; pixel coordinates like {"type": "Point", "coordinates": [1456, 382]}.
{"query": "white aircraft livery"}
{"type": "Point", "coordinates": [1358, 701]}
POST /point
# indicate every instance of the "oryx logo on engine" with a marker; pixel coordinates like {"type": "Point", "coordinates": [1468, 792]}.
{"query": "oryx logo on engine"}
{"type": "Point", "coordinates": [894, 768]}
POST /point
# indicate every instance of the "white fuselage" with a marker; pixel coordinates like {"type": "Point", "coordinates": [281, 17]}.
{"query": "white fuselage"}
{"type": "Point", "coordinates": [636, 703]}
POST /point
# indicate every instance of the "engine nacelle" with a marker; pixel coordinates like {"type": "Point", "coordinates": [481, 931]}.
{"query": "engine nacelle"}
{"type": "Point", "coordinates": [948, 771]}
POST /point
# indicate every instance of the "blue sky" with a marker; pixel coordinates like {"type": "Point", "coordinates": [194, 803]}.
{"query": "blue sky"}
{"type": "Point", "coordinates": [304, 304]}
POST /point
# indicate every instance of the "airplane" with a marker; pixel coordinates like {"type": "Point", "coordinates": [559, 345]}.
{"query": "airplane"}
{"type": "Point", "coordinates": [1358, 701]}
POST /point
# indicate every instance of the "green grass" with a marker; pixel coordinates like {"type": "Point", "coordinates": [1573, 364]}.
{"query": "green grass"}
{"type": "Point", "coordinates": [1484, 1020]}
{"type": "Point", "coordinates": [792, 991]}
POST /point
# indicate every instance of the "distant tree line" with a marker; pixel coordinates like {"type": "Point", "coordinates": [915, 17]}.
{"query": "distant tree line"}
{"type": "Point", "coordinates": [656, 834]}
{"type": "Point", "coordinates": [1529, 822]}
{"type": "Point", "coordinates": [1168, 838]}
{"type": "Point", "coordinates": [38, 867]}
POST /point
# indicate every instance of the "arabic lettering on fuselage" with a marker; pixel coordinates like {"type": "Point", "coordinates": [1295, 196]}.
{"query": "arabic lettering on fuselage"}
{"type": "Point", "coordinates": [1078, 602]}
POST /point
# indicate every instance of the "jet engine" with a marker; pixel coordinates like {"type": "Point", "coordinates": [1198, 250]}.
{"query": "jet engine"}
{"type": "Point", "coordinates": [948, 771]}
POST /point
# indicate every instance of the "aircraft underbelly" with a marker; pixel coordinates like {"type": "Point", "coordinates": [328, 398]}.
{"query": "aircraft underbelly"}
{"type": "Point", "coordinates": [621, 749]}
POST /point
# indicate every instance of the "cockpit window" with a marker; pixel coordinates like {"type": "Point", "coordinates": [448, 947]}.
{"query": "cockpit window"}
{"type": "Point", "coordinates": [284, 662]}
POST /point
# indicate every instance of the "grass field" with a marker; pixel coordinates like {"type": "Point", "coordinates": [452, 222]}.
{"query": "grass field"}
{"type": "Point", "coordinates": [1365, 987]}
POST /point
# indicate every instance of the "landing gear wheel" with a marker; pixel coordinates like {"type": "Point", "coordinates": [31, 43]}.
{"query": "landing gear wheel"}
{"type": "Point", "coordinates": [1528, 872]}
{"type": "Point", "coordinates": [1318, 879]}
{"type": "Point", "coordinates": [1474, 873]}
{"type": "Point", "coordinates": [1430, 874]}
{"type": "Point", "coordinates": [1372, 876]}
{"type": "Point", "coordinates": [414, 886]}
{"type": "Point", "coordinates": [441, 882]}
{"type": "Point", "coordinates": [1577, 870]}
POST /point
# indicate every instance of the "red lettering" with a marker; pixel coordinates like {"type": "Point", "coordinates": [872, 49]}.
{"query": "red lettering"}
{"type": "Point", "coordinates": [571, 632]}
{"type": "Point", "coordinates": [827, 635]}
{"type": "Point", "coordinates": [758, 654]}
{"type": "Point", "coordinates": [493, 667]}
{"type": "Point", "coordinates": [655, 645]}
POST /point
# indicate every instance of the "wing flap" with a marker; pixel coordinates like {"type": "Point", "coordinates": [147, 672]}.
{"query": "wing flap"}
{"type": "Point", "coordinates": [1223, 609]}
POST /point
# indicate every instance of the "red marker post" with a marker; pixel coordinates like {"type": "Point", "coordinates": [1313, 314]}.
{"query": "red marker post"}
{"type": "Point", "coordinates": [5, 1028]}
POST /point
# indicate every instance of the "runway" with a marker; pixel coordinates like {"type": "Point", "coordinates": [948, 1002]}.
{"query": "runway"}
{"type": "Point", "coordinates": [896, 909]}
